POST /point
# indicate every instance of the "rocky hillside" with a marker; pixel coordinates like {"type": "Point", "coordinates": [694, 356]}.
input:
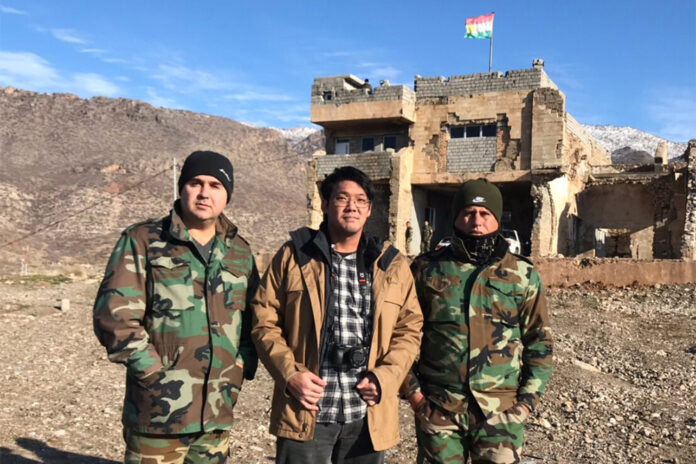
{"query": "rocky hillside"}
{"type": "Point", "coordinates": [75, 172]}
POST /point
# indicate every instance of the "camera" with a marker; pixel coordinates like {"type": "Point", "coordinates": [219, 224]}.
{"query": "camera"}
{"type": "Point", "coordinates": [351, 356]}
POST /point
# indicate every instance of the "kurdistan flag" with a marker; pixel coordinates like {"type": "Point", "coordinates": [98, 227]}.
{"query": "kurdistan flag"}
{"type": "Point", "coordinates": [479, 27]}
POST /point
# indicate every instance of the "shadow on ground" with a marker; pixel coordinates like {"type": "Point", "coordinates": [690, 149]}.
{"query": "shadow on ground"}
{"type": "Point", "coordinates": [47, 454]}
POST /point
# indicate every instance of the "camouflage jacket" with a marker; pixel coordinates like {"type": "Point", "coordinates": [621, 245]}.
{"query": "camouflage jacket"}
{"type": "Point", "coordinates": [509, 349]}
{"type": "Point", "coordinates": [180, 326]}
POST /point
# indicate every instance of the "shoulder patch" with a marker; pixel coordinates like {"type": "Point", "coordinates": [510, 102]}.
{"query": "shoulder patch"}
{"type": "Point", "coordinates": [387, 257]}
{"type": "Point", "coordinates": [147, 221]}
{"type": "Point", "coordinates": [526, 259]}
{"type": "Point", "coordinates": [243, 240]}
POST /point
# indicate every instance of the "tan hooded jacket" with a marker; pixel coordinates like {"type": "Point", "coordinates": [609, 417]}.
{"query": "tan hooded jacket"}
{"type": "Point", "coordinates": [289, 310]}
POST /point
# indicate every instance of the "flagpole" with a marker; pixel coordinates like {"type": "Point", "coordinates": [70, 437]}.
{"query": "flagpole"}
{"type": "Point", "coordinates": [490, 50]}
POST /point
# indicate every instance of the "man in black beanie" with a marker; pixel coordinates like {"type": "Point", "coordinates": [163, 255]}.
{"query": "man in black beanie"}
{"type": "Point", "coordinates": [173, 308]}
{"type": "Point", "coordinates": [486, 352]}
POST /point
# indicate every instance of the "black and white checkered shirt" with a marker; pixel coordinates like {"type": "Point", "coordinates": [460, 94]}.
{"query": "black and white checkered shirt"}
{"type": "Point", "coordinates": [352, 326]}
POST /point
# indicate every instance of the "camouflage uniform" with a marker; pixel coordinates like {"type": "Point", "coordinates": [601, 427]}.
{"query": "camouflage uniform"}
{"type": "Point", "coordinates": [409, 238]}
{"type": "Point", "coordinates": [426, 238]}
{"type": "Point", "coordinates": [179, 325]}
{"type": "Point", "coordinates": [486, 349]}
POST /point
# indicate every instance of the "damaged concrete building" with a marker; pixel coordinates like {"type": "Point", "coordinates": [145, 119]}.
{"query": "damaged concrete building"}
{"type": "Point", "coordinates": [560, 191]}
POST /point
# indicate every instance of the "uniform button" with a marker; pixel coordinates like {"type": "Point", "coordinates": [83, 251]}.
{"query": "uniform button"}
{"type": "Point", "coordinates": [214, 324]}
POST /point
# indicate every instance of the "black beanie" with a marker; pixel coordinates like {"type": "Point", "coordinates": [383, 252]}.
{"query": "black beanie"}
{"type": "Point", "coordinates": [208, 163]}
{"type": "Point", "coordinates": [478, 192]}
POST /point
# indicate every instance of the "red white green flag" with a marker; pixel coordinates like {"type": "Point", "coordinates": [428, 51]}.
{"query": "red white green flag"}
{"type": "Point", "coordinates": [479, 27]}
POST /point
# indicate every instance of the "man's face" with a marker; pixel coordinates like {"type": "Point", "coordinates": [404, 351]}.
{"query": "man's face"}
{"type": "Point", "coordinates": [476, 221]}
{"type": "Point", "coordinates": [347, 209]}
{"type": "Point", "coordinates": [203, 198]}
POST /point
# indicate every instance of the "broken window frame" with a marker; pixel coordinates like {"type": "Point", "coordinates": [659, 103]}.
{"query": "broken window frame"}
{"type": "Point", "coordinates": [473, 131]}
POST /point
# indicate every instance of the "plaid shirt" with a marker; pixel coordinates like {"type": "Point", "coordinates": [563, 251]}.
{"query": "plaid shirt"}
{"type": "Point", "coordinates": [352, 326]}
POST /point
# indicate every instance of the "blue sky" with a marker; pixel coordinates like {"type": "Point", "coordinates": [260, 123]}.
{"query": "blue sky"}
{"type": "Point", "coordinates": [625, 63]}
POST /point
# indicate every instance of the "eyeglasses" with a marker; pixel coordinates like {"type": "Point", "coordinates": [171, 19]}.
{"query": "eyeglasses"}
{"type": "Point", "coordinates": [343, 200]}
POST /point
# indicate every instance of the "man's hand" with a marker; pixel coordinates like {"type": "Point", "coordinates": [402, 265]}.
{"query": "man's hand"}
{"type": "Point", "coordinates": [369, 389]}
{"type": "Point", "coordinates": [307, 388]}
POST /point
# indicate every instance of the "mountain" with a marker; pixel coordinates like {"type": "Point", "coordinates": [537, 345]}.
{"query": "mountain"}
{"type": "Point", "coordinates": [75, 172]}
{"type": "Point", "coordinates": [630, 146]}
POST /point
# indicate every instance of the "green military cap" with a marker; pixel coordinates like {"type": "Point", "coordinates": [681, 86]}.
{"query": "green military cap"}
{"type": "Point", "coordinates": [478, 192]}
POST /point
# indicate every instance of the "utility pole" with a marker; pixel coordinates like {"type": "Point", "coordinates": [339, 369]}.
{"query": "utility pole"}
{"type": "Point", "coordinates": [174, 191]}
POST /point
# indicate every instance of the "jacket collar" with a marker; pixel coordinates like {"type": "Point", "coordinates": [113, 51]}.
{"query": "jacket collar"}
{"type": "Point", "coordinates": [225, 230]}
{"type": "Point", "coordinates": [315, 244]}
{"type": "Point", "coordinates": [459, 251]}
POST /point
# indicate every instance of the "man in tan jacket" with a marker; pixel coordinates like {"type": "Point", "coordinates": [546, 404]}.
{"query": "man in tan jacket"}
{"type": "Point", "coordinates": [337, 324]}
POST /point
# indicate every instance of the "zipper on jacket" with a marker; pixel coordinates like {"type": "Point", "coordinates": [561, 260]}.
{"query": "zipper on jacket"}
{"type": "Point", "coordinates": [210, 345]}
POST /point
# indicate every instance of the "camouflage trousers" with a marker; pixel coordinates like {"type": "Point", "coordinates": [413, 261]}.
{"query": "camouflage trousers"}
{"type": "Point", "coordinates": [199, 448]}
{"type": "Point", "coordinates": [446, 437]}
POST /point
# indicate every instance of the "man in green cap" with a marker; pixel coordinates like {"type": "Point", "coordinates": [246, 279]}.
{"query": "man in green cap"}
{"type": "Point", "coordinates": [486, 352]}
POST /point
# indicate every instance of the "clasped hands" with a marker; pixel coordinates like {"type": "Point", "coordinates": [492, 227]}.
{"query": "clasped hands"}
{"type": "Point", "coordinates": [307, 388]}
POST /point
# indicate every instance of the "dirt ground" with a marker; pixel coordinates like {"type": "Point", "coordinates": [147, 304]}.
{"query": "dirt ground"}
{"type": "Point", "coordinates": [621, 391]}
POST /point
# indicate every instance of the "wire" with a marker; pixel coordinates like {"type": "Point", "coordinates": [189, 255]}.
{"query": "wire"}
{"type": "Point", "coordinates": [72, 215]}
{"type": "Point", "coordinates": [130, 187]}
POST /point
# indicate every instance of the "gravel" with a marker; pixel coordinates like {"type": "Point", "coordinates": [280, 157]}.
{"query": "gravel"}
{"type": "Point", "coordinates": [621, 391]}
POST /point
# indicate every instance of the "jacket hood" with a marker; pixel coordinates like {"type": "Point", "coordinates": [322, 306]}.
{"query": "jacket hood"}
{"type": "Point", "coordinates": [312, 243]}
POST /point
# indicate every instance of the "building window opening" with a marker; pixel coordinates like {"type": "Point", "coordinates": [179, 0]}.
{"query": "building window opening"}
{"type": "Point", "coordinates": [457, 132]}
{"type": "Point", "coordinates": [390, 142]}
{"type": "Point", "coordinates": [489, 130]}
{"type": "Point", "coordinates": [474, 131]}
{"type": "Point", "coordinates": [618, 245]}
{"type": "Point", "coordinates": [342, 146]}
{"type": "Point", "coordinates": [368, 144]}
{"type": "Point", "coordinates": [327, 96]}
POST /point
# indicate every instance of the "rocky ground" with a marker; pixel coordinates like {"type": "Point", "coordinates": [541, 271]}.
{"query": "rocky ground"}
{"type": "Point", "coordinates": [622, 388]}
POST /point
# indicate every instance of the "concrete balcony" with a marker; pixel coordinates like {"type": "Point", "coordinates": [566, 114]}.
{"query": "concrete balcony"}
{"type": "Point", "coordinates": [341, 100]}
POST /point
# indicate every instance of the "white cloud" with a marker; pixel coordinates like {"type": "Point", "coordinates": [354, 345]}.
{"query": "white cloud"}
{"type": "Point", "coordinates": [95, 84]}
{"type": "Point", "coordinates": [93, 51]}
{"type": "Point", "coordinates": [250, 95]}
{"type": "Point", "coordinates": [155, 99]}
{"type": "Point", "coordinates": [115, 60]}
{"type": "Point", "coordinates": [174, 76]}
{"type": "Point", "coordinates": [28, 71]}
{"type": "Point", "coordinates": [287, 114]}
{"type": "Point", "coordinates": [385, 72]}
{"type": "Point", "coordinates": [339, 54]}
{"type": "Point", "coordinates": [672, 110]}
{"type": "Point", "coordinates": [9, 10]}
{"type": "Point", "coordinates": [68, 35]}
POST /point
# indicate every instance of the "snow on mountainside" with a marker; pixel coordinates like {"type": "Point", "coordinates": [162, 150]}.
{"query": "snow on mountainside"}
{"type": "Point", "coordinates": [616, 139]}
{"type": "Point", "coordinates": [295, 134]}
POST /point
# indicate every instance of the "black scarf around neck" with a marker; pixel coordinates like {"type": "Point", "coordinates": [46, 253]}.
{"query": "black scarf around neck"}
{"type": "Point", "coordinates": [477, 249]}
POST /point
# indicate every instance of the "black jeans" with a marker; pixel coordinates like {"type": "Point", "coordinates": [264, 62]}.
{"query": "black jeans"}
{"type": "Point", "coordinates": [348, 443]}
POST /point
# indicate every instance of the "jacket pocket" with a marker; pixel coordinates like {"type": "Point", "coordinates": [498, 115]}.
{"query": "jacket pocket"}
{"type": "Point", "coordinates": [172, 286]}
{"type": "Point", "coordinates": [234, 287]}
{"type": "Point", "coordinates": [505, 344]}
